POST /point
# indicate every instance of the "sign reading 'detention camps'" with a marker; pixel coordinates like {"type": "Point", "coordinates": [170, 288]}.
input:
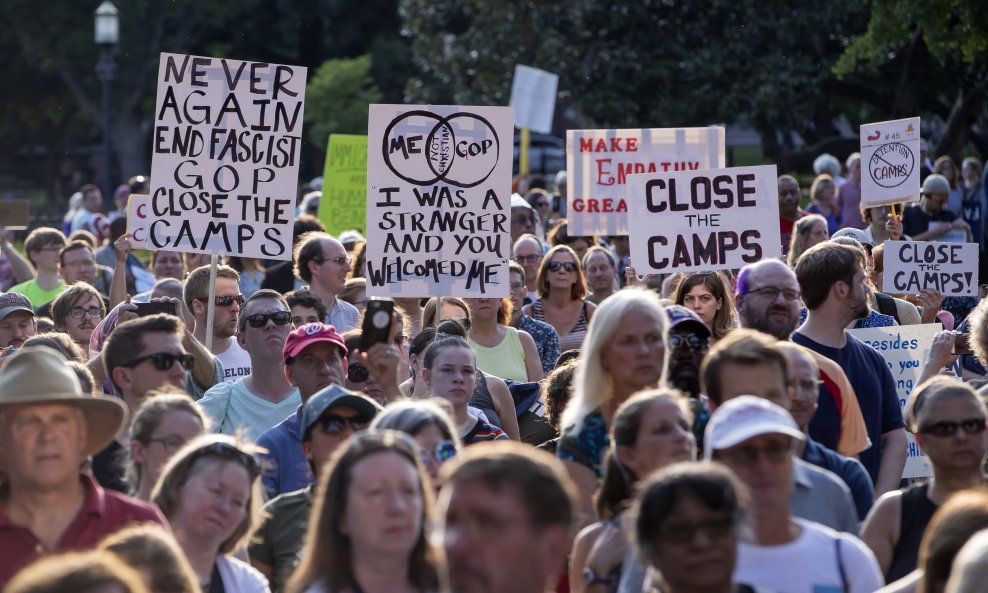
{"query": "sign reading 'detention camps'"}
{"type": "Point", "coordinates": [438, 200]}
{"type": "Point", "coordinates": [598, 163]}
{"type": "Point", "coordinates": [905, 350]}
{"type": "Point", "coordinates": [694, 221]}
{"type": "Point", "coordinates": [890, 162]}
{"type": "Point", "coordinates": [224, 170]}
{"type": "Point", "coordinates": [911, 266]}
{"type": "Point", "coordinates": [344, 184]}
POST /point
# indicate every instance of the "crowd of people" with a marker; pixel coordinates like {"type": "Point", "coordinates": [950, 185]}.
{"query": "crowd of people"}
{"type": "Point", "coordinates": [596, 431]}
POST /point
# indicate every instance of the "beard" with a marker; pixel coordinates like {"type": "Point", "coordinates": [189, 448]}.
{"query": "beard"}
{"type": "Point", "coordinates": [778, 321]}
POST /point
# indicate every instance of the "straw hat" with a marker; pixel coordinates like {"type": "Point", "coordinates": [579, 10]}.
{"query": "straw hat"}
{"type": "Point", "coordinates": [39, 375]}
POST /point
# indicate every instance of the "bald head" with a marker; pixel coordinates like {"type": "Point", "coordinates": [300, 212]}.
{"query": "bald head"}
{"type": "Point", "coordinates": [767, 298]}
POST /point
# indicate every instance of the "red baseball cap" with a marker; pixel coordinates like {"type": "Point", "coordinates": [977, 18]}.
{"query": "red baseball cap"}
{"type": "Point", "coordinates": [309, 334]}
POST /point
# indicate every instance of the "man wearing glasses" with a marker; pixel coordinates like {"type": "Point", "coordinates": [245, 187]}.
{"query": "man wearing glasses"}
{"type": "Point", "coordinates": [235, 360]}
{"type": "Point", "coordinates": [255, 403]}
{"type": "Point", "coordinates": [323, 263]}
{"type": "Point", "coordinates": [755, 439]}
{"type": "Point", "coordinates": [528, 252]}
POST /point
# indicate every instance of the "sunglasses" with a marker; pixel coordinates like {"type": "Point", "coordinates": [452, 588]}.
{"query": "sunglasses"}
{"type": "Point", "coordinates": [261, 319]}
{"type": "Point", "coordinates": [568, 266]}
{"type": "Point", "coordinates": [231, 453]}
{"type": "Point", "coordinates": [333, 424]}
{"type": "Point", "coordinates": [684, 532]}
{"type": "Point", "coordinates": [164, 361]}
{"type": "Point", "coordinates": [747, 456]}
{"type": "Point", "coordinates": [357, 373]}
{"type": "Point", "coordinates": [444, 451]}
{"type": "Point", "coordinates": [692, 342]}
{"type": "Point", "coordinates": [225, 301]}
{"type": "Point", "coordinates": [949, 428]}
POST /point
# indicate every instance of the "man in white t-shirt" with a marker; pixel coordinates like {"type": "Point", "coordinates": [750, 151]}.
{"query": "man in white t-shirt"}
{"type": "Point", "coordinates": [755, 438]}
{"type": "Point", "coordinates": [255, 403]}
{"type": "Point", "coordinates": [235, 360]}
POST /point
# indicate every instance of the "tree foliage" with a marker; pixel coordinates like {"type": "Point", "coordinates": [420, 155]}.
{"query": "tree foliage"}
{"type": "Point", "coordinates": [337, 98]}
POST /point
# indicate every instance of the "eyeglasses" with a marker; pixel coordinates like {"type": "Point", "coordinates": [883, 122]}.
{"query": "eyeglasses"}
{"type": "Point", "coordinates": [230, 452]}
{"type": "Point", "coordinates": [516, 285]}
{"type": "Point", "coordinates": [693, 342]}
{"type": "Point", "coordinates": [261, 319]}
{"type": "Point", "coordinates": [807, 384]}
{"type": "Point", "coordinates": [341, 261]}
{"type": "Point", "coordinates": [556, 265]}
{"type": "Point", "coordinates": [528, 259]}
{"type": "Point", "coordinates": [444, 451]}
{"type": "Point", "coordinates": [771, 293]}
{"type": "Point", "coordinates": [357, 373]}
{"type": "Point", "coordinates": [949, 428]}
{"type": "Point", "coordinates": [79, 312]}
{"type": "Point", "coordinates": [334, 424]}
{"type": "Point", "coordinates": [225, 301]}
{"type": "Point", "coordinates": [776, 452]}
{"type": "Point", "coordinates": [684, 532]}
{"type": "Point", "coordinates": [164, 361]}
{"type": "Point", "coordinates": [170, 444]}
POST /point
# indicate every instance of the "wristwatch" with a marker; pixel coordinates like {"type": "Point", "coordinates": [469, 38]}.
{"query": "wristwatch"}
{"type": "Point", "coordinates": [590, 577]}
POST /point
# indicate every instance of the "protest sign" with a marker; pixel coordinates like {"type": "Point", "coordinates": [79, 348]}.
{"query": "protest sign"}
{"type": "Point", "coordinates": [911, 266]}
{"type": "Point", "coordinates": [344, 184]}
{"type": "Point", "coordinates": [438, 200]}
{"type": "Point", "coordinates": [14, 214]}
{"type": "Point", "coordinates": [890, 162]}
{"type": "Point", "coordinates": [905, 350]}
{"type": "Point", "coordinates": [224, 168]}
{"type": "Point", "coordinates": [598, 163]}
{"type": "Point", "coordinates": [137, 220]}
{"type": "Point", "coordinates": [533, 97]}
{"type": "Point", "coordinates": [694, 221]}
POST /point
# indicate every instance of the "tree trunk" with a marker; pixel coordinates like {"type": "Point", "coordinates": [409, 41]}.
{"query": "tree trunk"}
{"type": "Point", "coordinates": [130, 146]}
{"type": "Point", "coordinates": [915, 62]}
{"type": "Point", "coordinates": [958, 127]}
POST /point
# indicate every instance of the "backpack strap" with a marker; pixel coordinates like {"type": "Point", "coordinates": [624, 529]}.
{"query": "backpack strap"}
{"type": "Point", "coordinates": [886, 306]}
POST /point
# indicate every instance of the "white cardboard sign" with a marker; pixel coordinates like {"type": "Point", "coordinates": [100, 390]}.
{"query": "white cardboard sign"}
{"type": "Point", "coordinates": [438, 200]}
{"type": "Point", "coordinates": [694, 221]}
{"type": "Point", "coordinates": [137, 220]}
{"type": "Point", "coordinates": [911, 266]}
{"type": "Point", "coordinates": [890, 162]}
{"type": "Point", "coordinates": [226, 147]}
{"type": "Point", "coordinates": [533, 97]}
{"type": "Point", "coordinates": [905, 350]}
{"type": "Point", "coordinates": [598, 163]}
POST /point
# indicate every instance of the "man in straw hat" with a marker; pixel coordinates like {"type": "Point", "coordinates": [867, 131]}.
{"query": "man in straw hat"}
{"type": "Point", "coordinates": [48, 428]}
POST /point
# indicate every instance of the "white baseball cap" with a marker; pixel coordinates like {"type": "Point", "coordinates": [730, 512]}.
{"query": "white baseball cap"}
{"type": "Point", "coordinates": [745, 417]}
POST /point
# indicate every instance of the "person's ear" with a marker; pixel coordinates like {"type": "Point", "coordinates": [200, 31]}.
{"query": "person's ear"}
{"type": "Point", "coordinates": [427, 376]}
{"type": "Point", "coordinates": [307, 449]}
{"type": "Point", "coordinates": [242, 339]}
{"type": "Point", "coordinates": [197, 308]}
{"type": "Point", "coordinates": [290, 375]}
{"type": "Point", "coordinates": [121, 376]}
{"type": "Point", "coordinates": [137, 452]}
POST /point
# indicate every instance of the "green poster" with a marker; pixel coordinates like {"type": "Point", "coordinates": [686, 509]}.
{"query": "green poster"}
{"type": "Point", "coordinates": [344, 184]}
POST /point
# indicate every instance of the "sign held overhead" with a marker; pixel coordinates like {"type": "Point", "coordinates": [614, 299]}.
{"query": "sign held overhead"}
{"type": "Point", "coordinates": [890, 162]}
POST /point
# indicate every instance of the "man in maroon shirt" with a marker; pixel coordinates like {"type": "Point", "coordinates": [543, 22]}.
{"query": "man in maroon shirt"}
{"type": "Point", "coordinates": [789, 210]}
{"type": "Point", "coordinates": [48, 428]}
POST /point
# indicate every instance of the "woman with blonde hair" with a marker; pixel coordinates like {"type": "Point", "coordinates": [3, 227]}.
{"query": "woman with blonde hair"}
{"type": "Point", "coordinates": [625, 352]}
{"type": "Point", "coordinates": [161, 426]}
{"type": "Point", "coordinates": [429, 422]}
{"type": "Point", "coordinates": [822, 195]}
{"type": "Point", "coordinates": [807, 232]}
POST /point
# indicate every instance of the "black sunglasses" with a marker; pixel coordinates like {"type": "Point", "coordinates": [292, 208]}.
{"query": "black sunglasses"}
{"type": "Point", "coordinates": [225, 301]}
{"type": "Point", "coordinates": [949, 428]}
{"type": "Point", "coordinates": [357, 373]}
{"type": "Point", "coordinates": [164, 361]}
{"type": "Point", "coordinates": [232, 453]}
{"type": "Point", "coordinates": [261, 319]}
{"type": "Point", "coordinates": [334, 424]}
{"type": "Point", "coordinates": [568, 266]}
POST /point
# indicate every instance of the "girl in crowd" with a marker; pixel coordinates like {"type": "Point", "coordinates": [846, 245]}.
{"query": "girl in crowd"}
{"type": "Point", "coordinates": [430, 425]}
{"type": "Point", "coordinates": [155, 553]}
{"type": "Point", "coordinates": [671, 512]}
{"type": "Point", "coordinates": [601, 269]}
{"type": "Point", "coordinates": [808, 231]}
{"type": "Point", "coordinates": [882, 226]}
{"type": "Point", "coordinates": [449, 368]}
{"type": "Point", "coordinates": [168, 264]}
{"type": "Point", "coordinates": [651, 430]}
{"type": "Point", "coordinates": [368, 528]}
{"type": "Point", "coordinates": [948, 420]}
{"type": "Point", "coordinates": [707, 294]}
{"type": "Point", "coordinates": [562, 288]}
{"type": "Point", "coordinates": [964, 515]}
{"type": "Point", "coordinates": [502, 350]}
{"type": "Point", "coordinates": [211, 495]}
{"type": "Point", "coordinates": [77, 311]}
{"type": "Point", "coordinates": [822, 194]}
{"type": "Point", "coordinates": [161, 426]}
{"type": "Point", "coordinates": [625, 353]}
{"type": "Point", "coordinates": [946, 166]}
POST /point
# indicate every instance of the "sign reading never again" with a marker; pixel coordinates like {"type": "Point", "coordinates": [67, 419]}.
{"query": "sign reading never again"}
{"type": "Point", "coordinates": [225, 157]}
{"type": "Point", "coordinates": [693, 221]}
{"type": "Point", "coordinates": [438, 200]}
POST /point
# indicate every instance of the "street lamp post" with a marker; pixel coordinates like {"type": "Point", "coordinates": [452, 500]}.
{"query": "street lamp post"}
{"type": "Point", "coordinates": [107, 36]}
